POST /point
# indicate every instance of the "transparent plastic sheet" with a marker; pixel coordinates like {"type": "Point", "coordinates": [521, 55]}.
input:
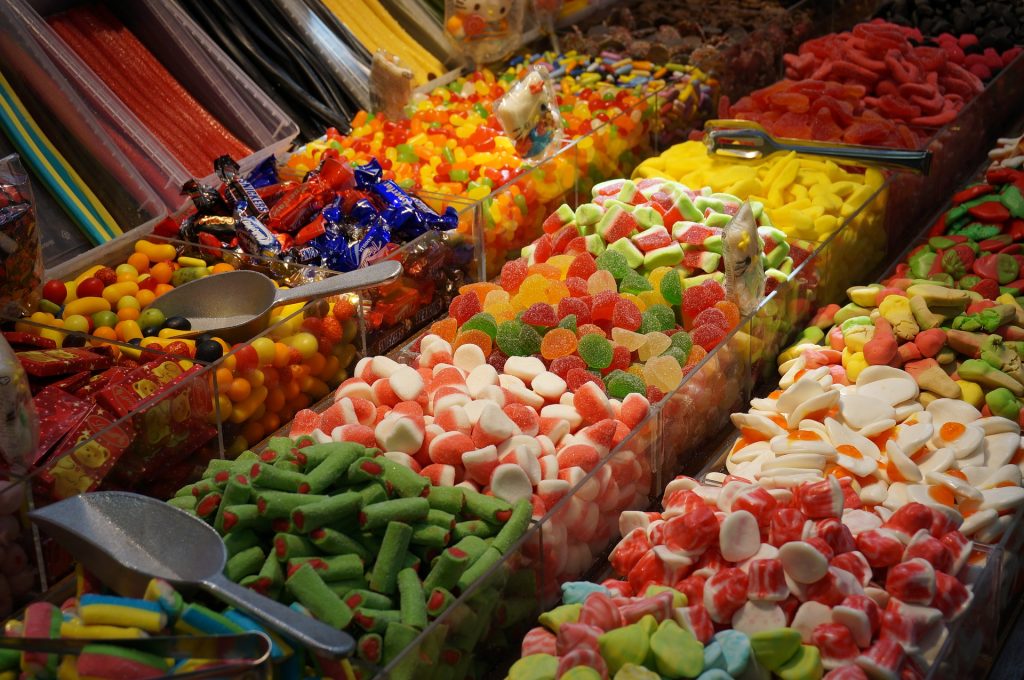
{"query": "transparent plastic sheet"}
{"type": "Point", "coordinates": [21, 257]}
{"type": "Point", "coordinates": [193, 60]}
{"type": "Point", "coordinates": [486, 31]}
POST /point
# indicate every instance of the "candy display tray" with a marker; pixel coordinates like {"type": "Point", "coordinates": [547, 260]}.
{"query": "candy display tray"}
{"type": "Point", "coordinates": [187, 53]}
{"type": "Point", "coordinates": [956, 149]}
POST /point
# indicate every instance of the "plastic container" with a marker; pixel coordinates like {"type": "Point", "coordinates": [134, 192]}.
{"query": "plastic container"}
{"type": "Point", "coordinates": [189, 55]}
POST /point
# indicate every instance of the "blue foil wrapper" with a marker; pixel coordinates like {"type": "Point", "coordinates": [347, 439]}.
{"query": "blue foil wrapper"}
{"type": "Point", "coordinates": [264, 174]}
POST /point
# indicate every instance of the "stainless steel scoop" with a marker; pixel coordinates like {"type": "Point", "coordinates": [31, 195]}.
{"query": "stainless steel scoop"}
{"type": "Point", "coordinates": [746, 139]}
{"type": "Point", "coordinates": [236, 305]}
{"type": "Point", "coordinates": [125, 539]}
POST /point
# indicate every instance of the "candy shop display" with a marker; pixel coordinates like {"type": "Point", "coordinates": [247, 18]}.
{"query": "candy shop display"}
{"type": "Point", "coordinates": [485, 32]}
{"type": "Point", "coordinates": [879, 84]}
{"type": "Point", "coordinates": [353, 536]}
{"type": "Point", "coordinates": [452, 144]}
{"type": "Point", "coordinates": [21, 256]}
{"type": "Point", "coordinates": [739, 42]}
{"type": "Point", "coordinates": [186, 130]}
{"type": "Point", "coordinates": [998, 24]}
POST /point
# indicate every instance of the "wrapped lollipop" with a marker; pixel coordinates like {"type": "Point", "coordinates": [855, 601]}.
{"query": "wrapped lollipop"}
{"type": "Point", "coordinates": [528, 113]}
{"type": "Point", "coordinates": [484, 30]}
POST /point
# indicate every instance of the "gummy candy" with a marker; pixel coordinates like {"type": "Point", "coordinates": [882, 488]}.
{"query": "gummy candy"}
{"type": "Point", "coordinates": [698, 298]}
{"type": "Point", "coordinates": [664, 372]}
{"type": "Point", "coordinates": [634, 283]}
{"type": "Point", "coordinates": [513, 273]}
{"type": "Point", "coordinates": [658, 318]}
{"type": "Point", "coordinates": [473, 337]}
{"type": "Point", "coordinates": [671, 289]}
{"type": "Point", "coordinates": [731, 312]}
{"type": "Point", "coordinates": [445, 328]}
{"type": "Point", "coordinates": [595, 350]}
{"type": "Point", "coordinates": [540, 314]}
{"type": "Point", "coordinates": [621, 383]}
{"type": "Point", "coordinates": [711, 316]}
{"type": "Point", "coordinates": [655, 344]}
{"type": "Point", "coordinates": [557, 343]}
{"type": "Point", "coordinates": [707, 336]}
{"type": "Point", "coordinates": [601, 280]}
{"type": "Point", "coordinates": [626, 315]}
{"type": "Point", "coordinates": [577, 377]}
{"type": "Point", "coordinates": [562, 365]}
{"type": "Point", "coordinates": [569, 322]}
{"type": "Point", "coordinates": [516, 338]}
{"type": "Point", "coordinates": [614, 262]}
{"type": "Point", "coordinates": [484, 322]}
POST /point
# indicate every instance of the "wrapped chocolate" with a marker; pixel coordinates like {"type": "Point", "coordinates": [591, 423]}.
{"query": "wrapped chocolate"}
{"type": "Point", "coordinates": [238, 190]}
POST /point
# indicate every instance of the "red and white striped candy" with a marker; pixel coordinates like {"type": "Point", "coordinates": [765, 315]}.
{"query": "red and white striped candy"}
{"type": "Point", "coordinates": [710, 563]}
{"type": "Point", "coordinates": [676, 565]}
{"type": "Point", "coordinates": [448, 448]}
{"type": "Point", "coordinates": [835, 641]}
{"type": "Point", "coordinates": [549, 468]}
{"type": "Point", "coordinates": [787, 524]}
{"type": "Point", "coordinates": [648, 570]}
{"type": "Point", "coordinates": [959, 547]}
{"type": "Point", "coordinates": [912, 581]}
{"type": "Point", "coordinates": [592, 403]}
{"type": "Point", "coordinates": [583, 456]}
{"type": "Point", "coordinates": [809, 616]}
{"type": "Point", "coordinates": [881, 547]}
{"type": "Point", "coordinates": [908, 520]}
{"type": "Point", "coordinates": [883, 661]}
{"type": "Point", "coordinates": [440, 475]}
{"type": "Point", "coordinates": [693, 587]}
{"type": "Point", "coordinates": [899, 629]}
{"type": "Point", "coordinates": [803, 561]}
{"type": "Point", "coordinates": [510, 483]}
{"type": "Point", "coordinates": [525, 458]}
{"type": "Point", "coordinates": [826, 590]}
{"type": "Point", "coordinates": [575, 635]}
{"type": "Point", "coordinates": [549, 387]}
{"type": "Point", "coordinates": [821, 499]}
{"type": "Point", "coordinates": [398, 433]}
{"type": "Point", "coordinates": [836, 534]}
{"type": "Point", "coordinates": [861, 615]}
{"type": "Point", "coordinates": [724, 593]}
{"type": "Point", "coordinates": [766, 581]}
{"type": "Point", "coordinates": [539, 640]}
{"type": "Point", "coordinates": [951, 597]}
{"type": "Point", "coordinates": [634, 409]}
{"type": "Point", "coordinates": [525, 418]}
{"type": "Point", "coordinates": [600, 611]}
{"type": "Point", "coordinates": [757, 617]}
{"type": "Point", "coordinates": [930, 549]}
{"type": "Point", "coordinates": [493, 426]}
{"type": "Point", "coordinates": [551, 491]}
{"type": "Point", "coordinates": [480, 463]}
{"type": "Point", "coordinates": [848, 672]}
{"type": "Point", "coordinates": [659, 606]}
{"type": "Point", "coordinates": [854, 563]}
{"type": "Point", "coordinates": [450, 397]}
{"type": "Point", "coordinates": [758, 502]}
{"type": "Point", "coordinates": [696, 619]}
{"type": "Point", "coordinates": [693, 531]}
{"type": "Point", "coordinates": [584, 657]}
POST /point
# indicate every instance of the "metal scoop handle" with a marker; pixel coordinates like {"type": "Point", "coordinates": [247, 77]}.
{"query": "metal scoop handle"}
{"type": "Point", "coordinates": [284, 620]}
{"type": "Point", "coordinates": [367, 277]}
{"type": "Point", "coordinates": [751, 141]}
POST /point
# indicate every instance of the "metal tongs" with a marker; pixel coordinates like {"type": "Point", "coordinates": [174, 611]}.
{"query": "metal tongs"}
{"type": "Point", "coordinates": [748, 140]}
{"type": "Point", "coordinates": [245, 655]}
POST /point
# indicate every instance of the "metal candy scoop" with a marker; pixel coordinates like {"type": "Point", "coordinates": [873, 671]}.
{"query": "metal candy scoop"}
{"type": "Point", "coordinates": [125, 539]}
{"type": "Point", "coordinates": [236, 305]}
{"type": "Point", "coordinates": [748, 140]}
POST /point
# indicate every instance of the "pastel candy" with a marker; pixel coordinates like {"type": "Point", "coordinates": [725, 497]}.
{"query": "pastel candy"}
{"type": "Point", "coordinates": [735, 650]}
{"type": "Point", "coordinates": [567, 613]}
{"type": "Point", "coordinates": [583, 657]}
{"type": "Point", "coordinates": [803, 562]}
{"type": "Point", "coordinates": [573, 636]}
{"type": "Point", "coordinates": [600, 611]}
{"type": "Point", "coordinates": [739, 536]}
{"type": "Point", "coordinates": [534, 667]}
{"type": "Point", "coordinates": [539, 641]}
{"type": "Point", "coordinates": [626, 645]}
{"type": "Point", "coordinates": [582, 673]}
{"type": "Point", "coordinates": [577, 592]}
{"type": "Point", "coordinates": [804, 665]}
{"type": "Point", "coordinates": [774, 647]}
{"type": "Point", "coordinates": [632, 671]}
{"type": "Point", "coordinates": [676, 652]}
{"type": "Point", "coordinates": [714, 674]}
{"type": "Point", "coordinates": [714, 657]}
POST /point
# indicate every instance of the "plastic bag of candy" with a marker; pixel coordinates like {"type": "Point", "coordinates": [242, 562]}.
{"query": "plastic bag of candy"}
{"type": "Point", "coordinates": [484, 30]}
{"type": "Point", "coordinates": [529, 115]}
{"type": "Point", "coordinates": [21, 258]}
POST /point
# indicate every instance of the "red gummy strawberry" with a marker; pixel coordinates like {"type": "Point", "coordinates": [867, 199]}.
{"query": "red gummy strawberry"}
{"type": "Point", "coordinates": [583, 266]}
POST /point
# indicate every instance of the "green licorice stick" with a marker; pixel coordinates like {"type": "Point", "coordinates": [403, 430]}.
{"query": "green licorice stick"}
{"type": "Point", "coordinates": [411, 601]}
{"type": "Point", "coordinates": [477, 569]}
{"type": "Point", "coordinates": [312, 593]}
{"type": "Point", "coordinates": [488, 508]}
{"type": "Point", "coordinates": [290, 546]}
{"type": "Point", "coordinates": [237, 541]}
{"type": "Point", "coordinates": [402, 481]}
{"type": "Point", "coordinates": [440, 518]}
{"type": "Point", "coordinates": [329, 470]}
{"type": "Point", "coordinates": [372, 492]}
{"type": "Point", "coordinates": [447, 569]}
{"type": "Point", "coordinates": [332, 509]}
{"type": "Point", "coordinates": [515, 527]}
{"type": "Point", "coordinates": [451, 499]}
{"type": "Point", "coordinates": [373, 517]}
{"type": "Point", "coordinates": [375, 620]}
{"type": "Point", "coordinates": [397, 638]}
{"type": "Point", "coordinates": [430, 536]}
{"type": "Point", "coordinates": [236, 492]}
{"type": "Point", "coordinates": [186, 503]}
{"type": "Point", "coordinates": [245, 563]}
{"type": "Point", "coordinates": [337, 568]}
{"type": "Point", "coordinates": [384, 577]}
{"type": "Point", "coordinates": [269, 477]}
{"type": "Point", "coordinates": [240, 517]}
{"type": "Point", "coordinates": [333, 542]}
{"type": "Point", "coordinates": [281, 504]}
{"type": "Point", "coordinates": [473, 527]}
{"type": "Point", "coordinates": [367, 598]}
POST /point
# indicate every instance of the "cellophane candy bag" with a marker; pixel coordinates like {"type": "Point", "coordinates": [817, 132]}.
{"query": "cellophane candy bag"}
{"type": "Point", "coordinates": [529, 115]}
{"type": "Point", "coordinates": [21, 257]}
{"type": "Point", "coordinates": [484, 30]}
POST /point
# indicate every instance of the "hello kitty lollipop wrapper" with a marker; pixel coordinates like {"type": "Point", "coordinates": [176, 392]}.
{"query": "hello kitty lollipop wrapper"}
{"type": "Point", "coordinates": [484, 30]}
{"type": "Point", "coordinates": [529, 115]}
